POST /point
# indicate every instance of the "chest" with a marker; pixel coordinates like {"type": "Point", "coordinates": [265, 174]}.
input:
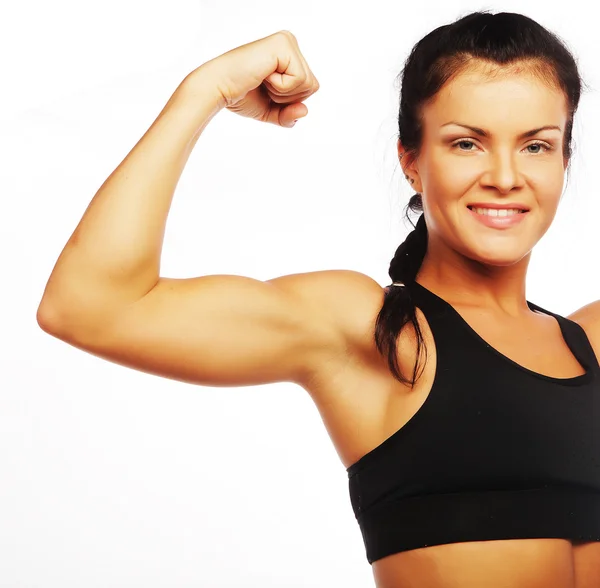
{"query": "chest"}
{"type": "Point", "coordinates": [362, 405]}
{"type": "Point", "coordinates": [537, 345]}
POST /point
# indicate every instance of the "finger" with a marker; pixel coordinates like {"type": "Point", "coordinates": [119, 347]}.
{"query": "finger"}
{"type": "Point", "coordinates": [285, 83]}
{"type": "Point", "coordinates": [289, 99]}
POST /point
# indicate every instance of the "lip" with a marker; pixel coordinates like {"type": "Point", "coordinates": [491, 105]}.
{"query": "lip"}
{"type": "Point", "coordinates": [498, 206]}
{"type": "Point", "coordinates": [498, 222]}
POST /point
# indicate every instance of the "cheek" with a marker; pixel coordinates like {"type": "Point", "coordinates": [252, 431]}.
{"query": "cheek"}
{"type": "Point", "coordinates": [452, 175]}
{"type": "Point", "coordinates": [547, 186]}
{"type": "Point", "coordinates": [441, 176]}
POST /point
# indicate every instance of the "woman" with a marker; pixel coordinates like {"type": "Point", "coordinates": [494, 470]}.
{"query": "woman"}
{"type": "Point", "coordinates": [481, 469]}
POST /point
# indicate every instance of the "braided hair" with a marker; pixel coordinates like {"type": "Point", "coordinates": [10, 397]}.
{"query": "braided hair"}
{"type": "Point", "coordinates": [403, 268]}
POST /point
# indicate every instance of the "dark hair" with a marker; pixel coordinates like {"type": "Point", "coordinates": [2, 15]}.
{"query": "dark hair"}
{"type": "Point", "coordinates": [495, 39]}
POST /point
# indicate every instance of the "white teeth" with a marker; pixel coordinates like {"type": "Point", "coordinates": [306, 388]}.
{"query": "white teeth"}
{"type": "Point", "coordinates": [496, 212]}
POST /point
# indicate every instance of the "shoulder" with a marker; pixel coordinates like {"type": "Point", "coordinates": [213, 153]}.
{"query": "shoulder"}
{"type": "Point", "coordinates": [588, 317]}
{"type": "Point", "coordinates": [353, 297]}
{"type": "Point", "coordinates": [350, 301]}
{"type": "Point", "coordinates": [342, 287]}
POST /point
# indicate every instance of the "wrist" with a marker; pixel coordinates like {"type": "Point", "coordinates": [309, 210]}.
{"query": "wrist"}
{"type": "Point", "coordinates": [200, 87]}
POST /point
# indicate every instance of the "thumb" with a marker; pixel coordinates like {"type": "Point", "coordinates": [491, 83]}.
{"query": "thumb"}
{"type": "Point", "coordinates": [289, 114]}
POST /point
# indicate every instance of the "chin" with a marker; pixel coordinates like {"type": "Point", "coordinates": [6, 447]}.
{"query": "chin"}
{"type": "Point", "coordinates": [497, 254]}
{"type": "Point", "coordinates": [498, 259]}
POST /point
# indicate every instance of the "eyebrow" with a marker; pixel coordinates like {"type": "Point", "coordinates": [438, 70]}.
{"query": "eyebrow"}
{"type": "Point", "coordinates": [484, 133]}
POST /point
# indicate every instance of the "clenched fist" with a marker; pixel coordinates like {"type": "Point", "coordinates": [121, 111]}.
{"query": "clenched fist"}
{"type": "Point", "coordinates": [267, 80]}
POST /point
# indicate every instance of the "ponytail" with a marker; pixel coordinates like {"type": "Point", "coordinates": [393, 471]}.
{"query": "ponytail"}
{"type": "Point", "coordinates": [398, 307]}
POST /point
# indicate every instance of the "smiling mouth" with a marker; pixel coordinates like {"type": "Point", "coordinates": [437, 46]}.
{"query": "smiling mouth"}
{"type": "Point", "coordinates": [520, 211]}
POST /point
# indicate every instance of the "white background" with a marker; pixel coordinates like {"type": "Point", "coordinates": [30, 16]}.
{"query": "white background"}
{"type": "Point", "coordinates": [111, 477]}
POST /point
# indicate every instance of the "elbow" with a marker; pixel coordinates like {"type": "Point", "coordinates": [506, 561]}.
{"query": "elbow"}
{"type": "Point", "coordinates": [47, 318]}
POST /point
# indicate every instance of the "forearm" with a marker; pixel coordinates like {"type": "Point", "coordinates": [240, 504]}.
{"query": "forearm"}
{"type": "Point", "coordinates": [113, 256]}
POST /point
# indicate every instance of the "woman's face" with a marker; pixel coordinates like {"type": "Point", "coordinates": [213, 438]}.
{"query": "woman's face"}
{"type": "Point", "coordinates": [457, 166]}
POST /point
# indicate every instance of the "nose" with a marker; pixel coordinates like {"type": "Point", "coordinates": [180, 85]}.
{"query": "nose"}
{"type": "Point", "coordinates": [503, 172]}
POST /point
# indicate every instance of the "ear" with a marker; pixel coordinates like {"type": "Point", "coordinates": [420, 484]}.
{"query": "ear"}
{"type": "Point", "coordinates": [400, 152]}
{"type": "Point", "coordinates": [408, 168]}
{"type": "Point", "coordinates": [403, 157]}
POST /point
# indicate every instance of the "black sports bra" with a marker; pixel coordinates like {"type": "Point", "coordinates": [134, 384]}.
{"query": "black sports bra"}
{"type": "Point", "coordinates": [497, 451]}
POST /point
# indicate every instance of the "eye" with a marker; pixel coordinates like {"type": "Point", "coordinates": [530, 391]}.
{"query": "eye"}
{"type": "Point", "coordinates": [546, 147]}
{"type": "Point", "coordinates": [463, 141]}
